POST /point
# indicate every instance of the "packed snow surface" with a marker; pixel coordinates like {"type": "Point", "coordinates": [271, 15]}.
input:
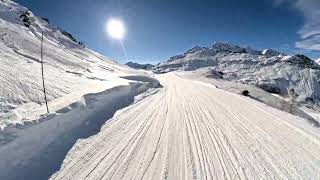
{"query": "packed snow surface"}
{"type": "Point", "coordinates": [192, 130]}
{"type": "Point", "coordinates": [274, 100]}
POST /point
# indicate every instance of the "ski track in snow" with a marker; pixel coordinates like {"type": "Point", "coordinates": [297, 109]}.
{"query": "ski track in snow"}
{"type": "Point", "coordinates": [191, 130]}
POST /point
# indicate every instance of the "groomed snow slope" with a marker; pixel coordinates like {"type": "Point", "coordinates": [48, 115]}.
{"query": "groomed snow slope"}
{"type": "Point", "coordinates": [192, 130]}
{"type": "Point", "coordinates": [70, 69]}
{"type": "Point", "coordinates": [282, 103]}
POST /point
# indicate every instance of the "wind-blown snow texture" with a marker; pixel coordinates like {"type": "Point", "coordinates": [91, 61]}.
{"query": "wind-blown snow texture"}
{"type": "Point", "coordinates": [270, 70]}
{"type": "Point", "coordinates": [71, 70]}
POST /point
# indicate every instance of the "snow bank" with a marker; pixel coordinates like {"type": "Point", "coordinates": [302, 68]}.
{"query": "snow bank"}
{"type": "Point", "coordinates": [36, 151]}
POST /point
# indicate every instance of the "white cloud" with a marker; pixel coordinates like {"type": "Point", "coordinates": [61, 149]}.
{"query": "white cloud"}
{"type": "Point", "coordinates": [310, 32]}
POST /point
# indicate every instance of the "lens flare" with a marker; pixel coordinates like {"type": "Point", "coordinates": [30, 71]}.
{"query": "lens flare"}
{"type": "Point", "coordinates": [116, 28]}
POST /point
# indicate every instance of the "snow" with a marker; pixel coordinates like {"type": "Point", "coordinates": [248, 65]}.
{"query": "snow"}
{"type": "Point", "coordinates": [84, 90]}
{"type": "Point", "coordinates": [70, 69]}
{"type": "Point", "coordinates": [282, 103]}
{"type": "Point", "coordinates": [187, 125]}
{"type": "Point", "coordinates": [26, 148]}
{"type": "Point", "coordinates": [312, 113]}
{"type": "Point", "coordinates": [192, 130]}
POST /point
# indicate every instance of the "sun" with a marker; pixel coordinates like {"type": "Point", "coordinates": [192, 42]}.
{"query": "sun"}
{"type": "Point", "coordinates": [116, 28]}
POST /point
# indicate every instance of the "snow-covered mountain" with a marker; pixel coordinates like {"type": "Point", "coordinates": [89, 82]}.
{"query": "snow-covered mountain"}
{"type": "Point", "coordinates": [270, 53]}
{"type": "Point", "coordinates": [70, 69]}
{"type": "Point", "coordinates": [140, 66]}
{"type": "Point", "coordinates": [270, 70]}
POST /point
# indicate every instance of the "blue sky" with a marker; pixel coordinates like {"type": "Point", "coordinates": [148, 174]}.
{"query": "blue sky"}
{"type": "Point", "coordinates": [158, 29]}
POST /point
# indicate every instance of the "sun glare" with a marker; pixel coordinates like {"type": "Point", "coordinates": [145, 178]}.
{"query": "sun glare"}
{"type": "Point", "coordinates": [116, 28]}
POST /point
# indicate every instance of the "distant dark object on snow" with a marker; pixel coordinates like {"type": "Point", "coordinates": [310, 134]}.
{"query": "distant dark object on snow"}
{"type": "Point", "coordinates": [245, 92]}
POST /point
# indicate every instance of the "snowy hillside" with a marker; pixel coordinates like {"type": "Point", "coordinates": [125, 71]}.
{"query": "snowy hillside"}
{"type": "Point", "coordinates": [84, 90]}
{"type": "Point", "coordinates": [70, 69]}
{"type": "Point", "coordinates": [270, 70]}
